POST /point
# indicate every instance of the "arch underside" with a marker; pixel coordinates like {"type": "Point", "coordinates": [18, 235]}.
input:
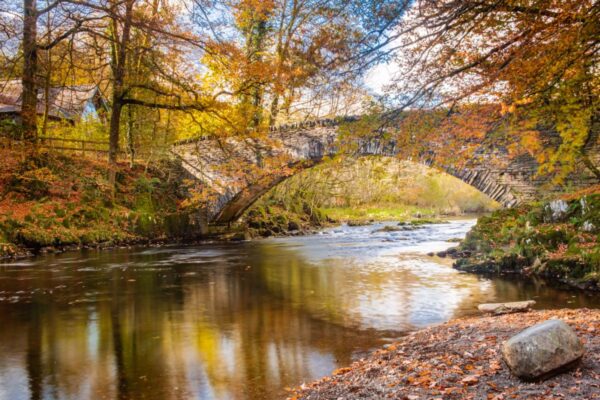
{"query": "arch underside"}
{"type": "Point", "coordinates": [234, 206]}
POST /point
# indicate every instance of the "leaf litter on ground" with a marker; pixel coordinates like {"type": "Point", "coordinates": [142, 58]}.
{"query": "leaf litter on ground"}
{"type": "Point", "coordinates": [461, 359]}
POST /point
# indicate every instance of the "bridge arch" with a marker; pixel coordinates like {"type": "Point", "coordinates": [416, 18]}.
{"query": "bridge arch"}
{"type": "Point", "coordinates": [239, 171]}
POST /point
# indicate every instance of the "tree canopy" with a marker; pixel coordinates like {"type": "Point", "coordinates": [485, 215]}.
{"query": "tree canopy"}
{"type": "Point", "coordinates": [536, 60]}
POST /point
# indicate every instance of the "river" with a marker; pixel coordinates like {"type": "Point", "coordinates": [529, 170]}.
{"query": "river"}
{"type": "Point", "coordinates": [230, 320]}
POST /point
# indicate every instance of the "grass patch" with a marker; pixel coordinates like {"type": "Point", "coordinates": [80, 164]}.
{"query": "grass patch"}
{"type": "Point", "coordinates": [391, 212]}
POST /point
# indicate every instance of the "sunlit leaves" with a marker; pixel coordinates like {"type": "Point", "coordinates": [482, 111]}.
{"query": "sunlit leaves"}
{"type": "Point", "coordinates": [537, 59]}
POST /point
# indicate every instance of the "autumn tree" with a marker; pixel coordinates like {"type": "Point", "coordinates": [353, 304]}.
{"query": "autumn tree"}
{"type": "Point", "coordinates": [537, 60]}
{"type": "Point", "coordinates": [157, 62]}
{"type": "Point", "coordinates": [71, 21]}
{"type": "Point", "coordinates": [284, 51]}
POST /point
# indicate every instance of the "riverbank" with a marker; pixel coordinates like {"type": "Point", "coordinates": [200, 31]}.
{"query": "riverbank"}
{"type": "Point", "coordinates": [277, 220]}
{"type": "Point", "coordinates": [51, 202]}
{"type": "Point", "coordinates": [556, 240]}
{"type": "Point", "coordinates": [461, 359]}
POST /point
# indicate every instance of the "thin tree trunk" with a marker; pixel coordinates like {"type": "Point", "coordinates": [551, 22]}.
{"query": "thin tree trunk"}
{"type": "Point", "coordinates": [29, 96]}
{"type": "Point", "coordinates": [47, 82]}
{"type": "Point", "coordinates": [255, 39]}
{"type": "Point", "coordinates": [274, 108]}
{"type": "Point", "coordinates": [130, 139]}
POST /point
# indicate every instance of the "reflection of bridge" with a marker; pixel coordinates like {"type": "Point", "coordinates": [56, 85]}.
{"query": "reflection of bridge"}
{"type": "Point", "coordinates": [238, 171]}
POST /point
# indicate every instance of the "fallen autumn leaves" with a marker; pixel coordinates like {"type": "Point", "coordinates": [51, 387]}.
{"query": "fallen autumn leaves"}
{"type": "Point", "coordinates": [461, 359]}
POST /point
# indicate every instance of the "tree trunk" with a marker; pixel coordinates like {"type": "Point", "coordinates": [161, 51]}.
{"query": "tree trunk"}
{"type": "Point", "coordinates": [254, 46]}
{"type": "Point", "coordinates": [593, 137]}
{"type": "Point", "coordinates": [29, 95]}
{"type": "Point", "coordinates": [115, 122]}
{"type": "Point", "coordinates": [130, 138]}
{"type": "Point", "coordinates": [119, 67]}
{"type": "Point", "coordinates": [274, 109]}
{"type": "Point", "coordinates": [47, 83]}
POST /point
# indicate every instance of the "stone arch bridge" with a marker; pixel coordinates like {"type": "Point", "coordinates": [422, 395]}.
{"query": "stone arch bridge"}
{"type": "Point", "coordinates": [234, 173]}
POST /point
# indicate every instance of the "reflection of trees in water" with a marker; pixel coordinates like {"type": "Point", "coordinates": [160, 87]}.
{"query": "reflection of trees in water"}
{"type": "Point", "coordinates": [204, 330]}
{"type": "Point", "coordinates": [34, 355]}
{"type": "Point", "coordinates": [331, 293]}
{"type": "Point", "coordinates": [251, 341]}
{"type": "Point", "coordinates": [399, 293]}
{"type": "Point", "coordinates": [168, 334]}
{"type": "Point", "coordinates": [57, 360]}
{"type": "Point", "coordinates": [546, 294]}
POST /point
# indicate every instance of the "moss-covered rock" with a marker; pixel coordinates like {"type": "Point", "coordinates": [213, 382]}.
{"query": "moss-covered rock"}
{"type": "Point", "coordinates": [555, 239]}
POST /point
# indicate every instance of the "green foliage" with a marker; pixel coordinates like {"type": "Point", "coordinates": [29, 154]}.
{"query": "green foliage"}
{"type": "Point", "coordinates": [10, 129]}
{"type": "Point", "coordinates": [527, 239]}
{"type": "Point", "coordinates": [368, 189]}
{"type": "Point", "coordinates": [145, 184]}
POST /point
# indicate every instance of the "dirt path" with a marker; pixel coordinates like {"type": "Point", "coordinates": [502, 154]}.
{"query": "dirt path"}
{"type": "Point", "coordinates": [461, 360]}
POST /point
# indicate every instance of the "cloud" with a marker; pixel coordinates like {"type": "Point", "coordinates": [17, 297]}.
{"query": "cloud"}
{"type": "Point", "coordinates": [380, 76]}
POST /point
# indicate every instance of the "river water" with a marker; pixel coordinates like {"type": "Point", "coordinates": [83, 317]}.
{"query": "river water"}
{"type": "Point", "coordinates": [230, 321]}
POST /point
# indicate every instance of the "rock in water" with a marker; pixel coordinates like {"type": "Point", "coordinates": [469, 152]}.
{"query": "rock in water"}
{"type": "Point", "coordinates": [506, 308]}
{"type": "Point", "coordinates": [542, 350]}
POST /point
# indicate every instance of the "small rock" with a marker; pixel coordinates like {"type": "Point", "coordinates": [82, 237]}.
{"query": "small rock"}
{"type": "Point", "coordinates": [388, 228]}
{"type": "Point", "coordinates": [506, 308]}
{"type": "Point", "coordinates": [267, 233]}
{"type": "Point", "coordinates": [451, 252]}
{"type": "Point", "coordinates": [358, 223]}
{"type": "Point", "coordinates": [240, 236]}
{"type": "Point", "coordinates": [588, 227]}
{"type": "Point", "coordinates": [556, 210]}
{"type": "Point", "coordinates": [293, 226]}
{"type": "Point", "coordinates": [542, 350]}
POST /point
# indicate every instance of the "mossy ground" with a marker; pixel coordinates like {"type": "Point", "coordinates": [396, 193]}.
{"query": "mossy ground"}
{"type": "Point", "coordinates": [53, 200]}
{"type": "Point", "coordinates": [275, 219]}
{"type": "Point", "coordinates": [531, 239]}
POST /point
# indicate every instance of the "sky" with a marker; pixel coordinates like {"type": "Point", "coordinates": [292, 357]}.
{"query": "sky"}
{"type": "Point", "coordinates": [381, 75]}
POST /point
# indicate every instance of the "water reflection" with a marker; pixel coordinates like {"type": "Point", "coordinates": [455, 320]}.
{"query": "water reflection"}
{"type": "Point", "coordinates": [228, 321]}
